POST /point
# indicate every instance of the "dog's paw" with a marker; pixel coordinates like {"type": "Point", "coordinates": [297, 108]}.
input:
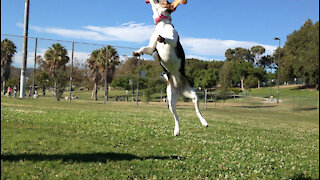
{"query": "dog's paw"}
{"type": "Point", "coordinates": [176, 132]}
{"type": "Point", "coordinates": [160, 39]}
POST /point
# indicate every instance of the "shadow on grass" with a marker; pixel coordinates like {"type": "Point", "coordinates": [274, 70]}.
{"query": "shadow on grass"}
{"type": "Point", "coordinates": [253, 107]}
{"type": "Point", "coordinates": [85, 157]}
{"type": "Point", "coordinates": [305, 109]}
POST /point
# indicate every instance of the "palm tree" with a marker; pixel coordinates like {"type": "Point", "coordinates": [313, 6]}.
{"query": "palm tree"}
{"type": "Point", "coordinates": [8, 49]}
{"type": "Point", "coordinates": [111, 59]}
{"type": "Point", "coordinates": [110, 54]}
{"type": "Point", "coordinates": [97, 64]}
{"type": "Point", "coordinates": [94, 64]}
{"type": "Point", "coordinates": [56, 58]}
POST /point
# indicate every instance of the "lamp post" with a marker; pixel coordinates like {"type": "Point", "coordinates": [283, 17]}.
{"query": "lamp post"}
{"type": "Point", "coordinates": [278, 74]}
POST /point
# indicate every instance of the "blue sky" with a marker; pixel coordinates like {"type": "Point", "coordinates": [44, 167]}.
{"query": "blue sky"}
{"type": "Point", "coordinates": [206, 27]}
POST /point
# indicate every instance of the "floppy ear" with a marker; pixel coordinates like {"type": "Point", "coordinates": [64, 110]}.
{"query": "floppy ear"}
{"type": "Point", "coordinates": [176, 3]}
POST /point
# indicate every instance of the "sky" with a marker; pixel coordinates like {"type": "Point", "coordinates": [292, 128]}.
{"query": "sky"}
{"type": "Point", "coordinates": [207, 28]}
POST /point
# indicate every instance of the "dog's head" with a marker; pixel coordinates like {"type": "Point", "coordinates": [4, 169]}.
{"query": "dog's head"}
{"type": "Point", "coordinates": [170, 6]}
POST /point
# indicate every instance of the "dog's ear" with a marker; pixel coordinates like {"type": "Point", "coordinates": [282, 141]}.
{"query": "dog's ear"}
{"type": "Point", "coordinates": [176, 3]}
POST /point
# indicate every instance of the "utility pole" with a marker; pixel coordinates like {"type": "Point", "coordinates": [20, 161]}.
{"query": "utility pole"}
{"type": "Point", "coordinates": [71, 71]}
{"type": "Point", "coordinates": [24, 50]}
{"type": "Point", "coordinates": [137, 98]}
{"type": "Point", "coordinates": [278, 74]}
{"type": "Point", "coordinates": [34, 67]}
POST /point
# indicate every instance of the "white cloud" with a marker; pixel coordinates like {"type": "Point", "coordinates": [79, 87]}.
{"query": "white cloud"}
{"type": "Point", "coordinates": [127, 32]}
{"type": "Point", "coordinates": [201, 48]}
{"type": "Point", "coordinates": [190, 56]}
{"type": "Point", "coordinates": [216, 47]}
{"type": "Point", "coordinates": [78, 55]}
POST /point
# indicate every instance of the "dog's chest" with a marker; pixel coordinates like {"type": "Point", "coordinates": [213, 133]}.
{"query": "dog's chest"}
{"type": "Point", "coordinates": [169, 58]}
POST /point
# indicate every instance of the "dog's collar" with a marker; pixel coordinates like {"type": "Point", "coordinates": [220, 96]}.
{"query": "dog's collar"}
{"type": "Point", "coordinates": [161, 17]}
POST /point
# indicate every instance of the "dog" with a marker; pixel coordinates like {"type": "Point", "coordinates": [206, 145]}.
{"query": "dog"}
{"type": "Point", "coordinates": [166, 47]}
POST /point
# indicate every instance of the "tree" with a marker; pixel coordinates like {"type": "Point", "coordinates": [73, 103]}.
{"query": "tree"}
{"type": "Point", "coordinates": [302, 53]}
{"type": "Point", "coordinates": [256, 76]}
{"type": "Point", "coordinates": [80, 73]}
{"type": "Point", "coordinates": [257, 51]}
{"type": "Point", "coordinates": [239, 54]}
{"type": "Point", "coordinates": [225, 76]}
{"type": "Point", "coordinates": [8, 49]}
{"type": "Point", "coordinates": [266, 61]}
{"type": "Point", "coordinates": [206, 78]}
{"type": "Point", "coordinates": [56, 59]}
{"type": "Point", "coordinates": [43, 79]}
{"type": "Point", "coordinates": [127, 67]}
{"type": "Point", "coordinates": [203, 73]}
{"type": "Point", "coordinates": [94, 65]}
{"type": "Point", "coordinates": [242, 61]}
{"type": "Point", "coordinates": [97, 65]}
{"type": "Point", "coordinates": [111, 55]}
{"type": "Point", "coordinates": [241, 70]}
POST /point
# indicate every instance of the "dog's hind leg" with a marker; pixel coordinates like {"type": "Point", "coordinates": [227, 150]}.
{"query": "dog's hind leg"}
{"type": "Point", "coordinates": [165, 74]}
{"type": "Point", "coordinates": [172, 98]}
{"type": "Point", "coordinates": [191, 94]}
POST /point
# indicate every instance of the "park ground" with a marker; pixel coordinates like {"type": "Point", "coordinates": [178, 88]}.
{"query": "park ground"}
{"type": "Point", "coordinates": [47, 139]}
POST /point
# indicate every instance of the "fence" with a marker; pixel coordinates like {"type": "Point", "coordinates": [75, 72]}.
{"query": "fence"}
{"type": "Point", "coordinates": [293, 103]}
{"type": "Point", "coordinates": [79, 52]}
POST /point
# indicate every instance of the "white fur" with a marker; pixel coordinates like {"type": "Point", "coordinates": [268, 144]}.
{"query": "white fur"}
{"type": "Point", "coordinates": [171, 62]}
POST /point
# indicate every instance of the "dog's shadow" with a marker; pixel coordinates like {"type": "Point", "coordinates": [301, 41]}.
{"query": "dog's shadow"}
{"type": "Point", "coordinates": [83, 157]}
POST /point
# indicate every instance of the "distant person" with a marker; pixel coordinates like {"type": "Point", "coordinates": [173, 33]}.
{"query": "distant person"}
{"type": "Point", "coordinates": [44, 91]}
{"type": "Point", "coordinates": [9, 91]}
{"type": "Point", "coordinates": [35, 96]}
{"type": "Point", "coordinates": [15, 91]}
{"type": "Point", "coordinates": [29, 93]}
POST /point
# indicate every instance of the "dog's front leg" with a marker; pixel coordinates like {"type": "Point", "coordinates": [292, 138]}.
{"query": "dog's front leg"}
{"type": "Point", "coordinates": [171, 41]}
{"type": "Point", "coordinates": [148, 49]}
{"type": "Point", "coordinates": [144, 50]}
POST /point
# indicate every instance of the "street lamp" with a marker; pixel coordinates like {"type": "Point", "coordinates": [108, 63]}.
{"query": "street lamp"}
{"type": "Point", "coordinates": [278, 75]}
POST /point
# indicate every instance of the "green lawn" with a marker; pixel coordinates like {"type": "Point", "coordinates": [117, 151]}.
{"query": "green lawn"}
{"type": "Point", "coordinates": [47, 139]}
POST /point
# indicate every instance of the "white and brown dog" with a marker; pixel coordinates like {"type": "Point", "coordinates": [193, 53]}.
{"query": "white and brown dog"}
{"type": "Point", "coordinates": [166, 47]}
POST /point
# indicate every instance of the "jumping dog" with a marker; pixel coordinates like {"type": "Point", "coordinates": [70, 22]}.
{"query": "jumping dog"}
{"type": "Point", "coordinates": [166, 47]}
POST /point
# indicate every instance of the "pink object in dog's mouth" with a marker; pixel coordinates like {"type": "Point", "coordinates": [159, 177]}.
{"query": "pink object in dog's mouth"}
{"type": "Point", "coordinates": [147, 1]}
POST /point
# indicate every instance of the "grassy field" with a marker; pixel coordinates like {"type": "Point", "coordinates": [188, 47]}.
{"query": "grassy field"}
{"type": "Point", "coordinates": [47, 139]}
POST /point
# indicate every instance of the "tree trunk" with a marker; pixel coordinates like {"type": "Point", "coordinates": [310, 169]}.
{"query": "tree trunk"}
{"type": "Point", "coordinates": [43, 91]}
{"type": "Point", "coordinates": [258, 84]}
{"type": "Point", "coordinates": [242, 84]}
{"type": "Point", "coordinates": [4, 87]}
{"type": "Point", "coordinates": [55, 90]}
{"type": "Point", "coordinates": [95, 91]}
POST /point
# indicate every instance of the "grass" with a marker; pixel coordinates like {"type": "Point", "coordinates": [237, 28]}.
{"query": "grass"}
{"type": "Point", "coordinates": [47, 139]}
